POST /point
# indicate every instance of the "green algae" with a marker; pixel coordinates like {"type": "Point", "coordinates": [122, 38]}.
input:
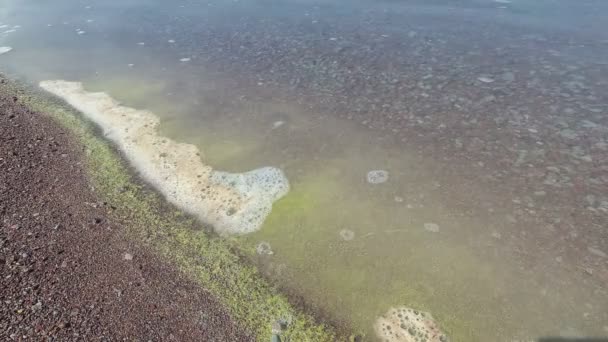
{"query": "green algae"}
{"type": "Point", "coordinates": [213, 262]}
{"type": "Point", "coordinates": [400, 266]}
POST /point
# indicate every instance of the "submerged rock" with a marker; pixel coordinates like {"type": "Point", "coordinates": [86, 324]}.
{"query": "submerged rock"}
{"type": "Point", "coordinates": [403, 324]}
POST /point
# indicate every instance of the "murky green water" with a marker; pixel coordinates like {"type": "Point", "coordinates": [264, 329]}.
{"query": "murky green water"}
{"type": "Point", "coordinates": [351, 249]}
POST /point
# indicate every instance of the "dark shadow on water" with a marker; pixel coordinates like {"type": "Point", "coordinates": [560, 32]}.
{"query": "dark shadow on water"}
{"type": "Point", "coordinates": [572, 339]}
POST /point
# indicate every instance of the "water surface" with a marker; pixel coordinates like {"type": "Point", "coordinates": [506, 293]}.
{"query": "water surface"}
{"type": "Point", "coordinates": [489, 117]}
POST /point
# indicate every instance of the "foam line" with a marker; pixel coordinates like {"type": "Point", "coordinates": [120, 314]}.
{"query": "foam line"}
{"type": "Point", "coordinates": [233, 203]}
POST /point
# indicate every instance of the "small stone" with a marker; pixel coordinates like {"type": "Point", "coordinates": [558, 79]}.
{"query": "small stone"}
{"type": "Point", "coordinates": [277, 124]}
{"type": "Point", "coordinates": [128, 256]}
{"type": "Point", "coordinates": [37, 306]}
{"type": "Point", "coordinates": [431, 227]}
{"type": "Point", "coordinates": [185, 59]}
{"type": "Point", "coordinates": [398, 199]}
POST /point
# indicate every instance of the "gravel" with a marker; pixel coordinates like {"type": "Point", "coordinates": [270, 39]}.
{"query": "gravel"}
{"type": "Point", "coordinates": [65, 273]}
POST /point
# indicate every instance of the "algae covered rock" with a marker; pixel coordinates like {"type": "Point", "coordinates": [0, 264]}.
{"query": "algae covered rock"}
{"type": "Point", "coordinates": [403, 324]}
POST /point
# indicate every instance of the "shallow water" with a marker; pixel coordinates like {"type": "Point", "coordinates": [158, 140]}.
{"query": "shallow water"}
{"type": "Point", "coordinates": [473, 224]}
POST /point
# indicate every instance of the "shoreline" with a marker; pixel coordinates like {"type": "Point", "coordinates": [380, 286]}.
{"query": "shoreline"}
{"type": "Point", "coordinates": [166, 234]}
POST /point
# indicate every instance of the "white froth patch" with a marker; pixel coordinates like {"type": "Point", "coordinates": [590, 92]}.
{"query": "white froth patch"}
{"type": "Point", "coordinates": [233, 203]}
{"type": "Point", "coordinates": [5, 49]}
{"type": "Point", "coordinates": [377, 176]}
{"type": "Point", "coordinates": [347, 234]}
{"type": "Point", "coordinates": [403, 324]}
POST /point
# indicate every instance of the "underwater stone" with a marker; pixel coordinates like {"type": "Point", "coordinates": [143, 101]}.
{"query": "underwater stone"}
{"type": "Point", "coordinates": [403, 324]}
{"type": "Point", "coordinates": [377, 176]}
{"type": "Point", "coordinates": [233, 203]}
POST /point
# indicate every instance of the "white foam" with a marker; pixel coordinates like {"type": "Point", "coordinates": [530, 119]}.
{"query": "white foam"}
{"type": "Point", "coordinates": [403, 324]}
{"type": "Point", "coordinates": [233, 203]}
{"type": "Point", "coordinates": [377, 176]}
{"type": "Point", "coordinates": [5, 49]}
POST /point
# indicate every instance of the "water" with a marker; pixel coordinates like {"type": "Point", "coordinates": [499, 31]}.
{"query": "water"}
{"type": "Point", "coordinates": [490, 121]}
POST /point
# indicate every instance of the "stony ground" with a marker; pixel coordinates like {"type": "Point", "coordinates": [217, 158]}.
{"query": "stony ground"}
{"type": "Point", "coordinates": [66, 272]}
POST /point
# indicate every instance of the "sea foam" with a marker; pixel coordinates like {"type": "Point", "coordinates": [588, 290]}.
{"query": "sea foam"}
{"type": "Point", "coordinates": [233, 203]}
